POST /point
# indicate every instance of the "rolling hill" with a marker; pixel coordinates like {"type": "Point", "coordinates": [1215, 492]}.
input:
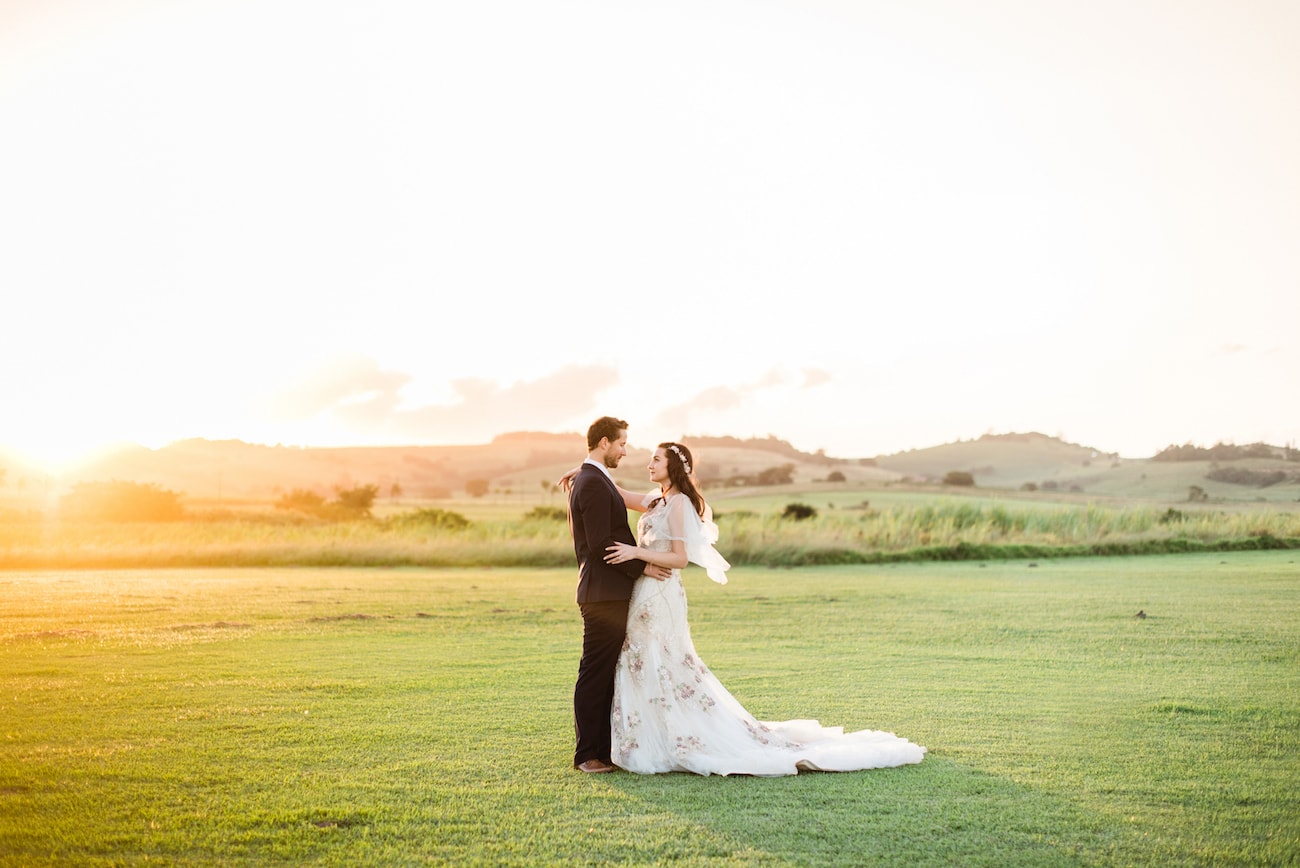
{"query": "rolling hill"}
{"type": "Point", "coordinates": [233, 472]}
{"type": "Point", "coordinates": [1002, 460]}
{"type": "Point", "coordinates": [1048, 464]}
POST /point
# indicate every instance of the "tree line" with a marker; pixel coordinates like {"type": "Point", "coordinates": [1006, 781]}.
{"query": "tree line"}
{"type": "Point", "coordinates": [1226, 452]}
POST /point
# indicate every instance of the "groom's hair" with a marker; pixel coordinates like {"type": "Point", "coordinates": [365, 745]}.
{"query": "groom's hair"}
{"type": "Point", "coordinates": [605, 426]}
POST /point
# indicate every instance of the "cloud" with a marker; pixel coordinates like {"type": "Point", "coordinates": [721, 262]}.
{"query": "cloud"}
{"type": "Point", "coordinates": [353, 385]}
{"type": "Point", "coordinates": [717, 398]}
{"type": "Point", "coordinates": [815, 377]}
{"type": "Point", "coordinates": [354, 397]}
{"type": "Point", "coordinates": [714, 401]}
{"type": "Point", "coordinates": [485, 409]}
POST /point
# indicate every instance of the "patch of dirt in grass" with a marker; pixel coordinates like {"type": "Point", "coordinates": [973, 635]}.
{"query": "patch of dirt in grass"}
{"type": "Point", "coordinates": [55, 634]}
{"type": "Point", "coordinates": [355, 616]}
{"type": "Point", "coordinates": [338, 823]}
{"type": "Point", "coordinates": [214, 625]}
{"type": "Point", "coordinates": [1183, 708]}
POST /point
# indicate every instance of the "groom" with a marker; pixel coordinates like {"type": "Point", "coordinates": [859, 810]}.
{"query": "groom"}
{"type": "Point", "coordinates": [597, 519]}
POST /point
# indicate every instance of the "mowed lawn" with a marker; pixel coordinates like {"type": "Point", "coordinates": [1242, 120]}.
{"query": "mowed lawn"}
{"type": "Point", "coordinates": [414, 716]}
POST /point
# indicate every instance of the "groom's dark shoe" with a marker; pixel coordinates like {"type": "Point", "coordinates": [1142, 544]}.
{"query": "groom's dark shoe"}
{"type": "Point", "coordinates": [595, 766]}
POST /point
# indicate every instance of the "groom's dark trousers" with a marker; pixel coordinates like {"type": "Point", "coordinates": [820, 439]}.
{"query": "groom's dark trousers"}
{"type": "Point", "coordinates": [598, 518]}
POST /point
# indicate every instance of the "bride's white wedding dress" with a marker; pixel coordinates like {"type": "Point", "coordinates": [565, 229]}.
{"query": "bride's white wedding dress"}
{"type": "Point", "coordinates": [671, 714]}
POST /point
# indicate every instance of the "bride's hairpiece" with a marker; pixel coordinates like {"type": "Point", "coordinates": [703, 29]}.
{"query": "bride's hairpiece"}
{"type": "Point", "coordinates": [686, 465]}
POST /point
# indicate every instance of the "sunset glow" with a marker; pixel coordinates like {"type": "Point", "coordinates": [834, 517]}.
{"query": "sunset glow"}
{"type": "Point", "coordinates": [861, 227]}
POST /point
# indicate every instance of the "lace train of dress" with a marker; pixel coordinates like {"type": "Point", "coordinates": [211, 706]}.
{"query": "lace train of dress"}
{"type": "Point", "coordinates": [671, 714]}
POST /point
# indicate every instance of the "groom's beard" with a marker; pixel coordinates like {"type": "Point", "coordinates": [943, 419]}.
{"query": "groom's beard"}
{"type": "Point", "coordinates": [611, 461]}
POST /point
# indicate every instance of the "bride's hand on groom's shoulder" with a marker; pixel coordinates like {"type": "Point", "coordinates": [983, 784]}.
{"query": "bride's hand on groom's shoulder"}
{"type": "Point", "coordinates": [566, 481]}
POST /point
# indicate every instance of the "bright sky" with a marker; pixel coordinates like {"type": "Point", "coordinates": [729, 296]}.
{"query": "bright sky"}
{"type": "Point", "coordinates": [859, 226]}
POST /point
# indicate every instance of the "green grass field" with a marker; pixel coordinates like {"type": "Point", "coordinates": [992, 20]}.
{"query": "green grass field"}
{"type": "Point", "coordinates": [421, 716]}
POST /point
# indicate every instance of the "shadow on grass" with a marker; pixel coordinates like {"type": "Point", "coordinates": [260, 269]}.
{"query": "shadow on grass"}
{"type": "Point", "coordinates": [935, 813]}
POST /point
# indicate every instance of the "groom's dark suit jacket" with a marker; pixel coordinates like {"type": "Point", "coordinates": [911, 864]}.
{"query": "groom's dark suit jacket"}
{"type": "Point", "coordinates": [598, 518]}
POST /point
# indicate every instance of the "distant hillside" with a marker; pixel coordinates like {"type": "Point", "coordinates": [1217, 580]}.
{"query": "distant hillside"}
{"type": "Point", "coordinates": [523, 462]}
{"type": "Point", "coordinates": [769, 444]}
{"type": "Point", "coordinates": [210, 469]}
{"type": "Point", "coordinates": [1000, 460]}
{"type": "Point", "coordinates": [1049, 464]}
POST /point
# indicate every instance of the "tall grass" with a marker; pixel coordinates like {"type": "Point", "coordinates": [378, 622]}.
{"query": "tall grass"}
{"type": "Point", "coordinates": [949, 530]}
{"type": "Point", "coordinates": [945, 530]}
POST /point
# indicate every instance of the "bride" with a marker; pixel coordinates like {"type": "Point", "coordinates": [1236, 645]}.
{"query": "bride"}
{"type": "Point", "coordinates": [670, 713]}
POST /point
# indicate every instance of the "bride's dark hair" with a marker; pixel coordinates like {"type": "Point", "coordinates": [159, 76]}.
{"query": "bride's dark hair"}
{"type": "Point", "coordinates": [681, 467]}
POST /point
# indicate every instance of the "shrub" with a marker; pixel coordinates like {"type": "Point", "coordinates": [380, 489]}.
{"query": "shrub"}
{"type": "Point", "coordinates": [445, 519]}
{"type": "Point", "coordinates": [782, 475]}
{"type": "Point", "coordinates": [356, 501]}
{"type": "Point", "coordinates": [1171, 515]}
{"type": "Point", "coordinates": [302, 500]}
{"type": "Point", "coordinates": [798, 511]}
{"type": "Point", "coordinates": [835, 476]}
{"type": "Point", "coordinates": [546, 513]}
{"type": "Point", "coordinates": [350, 503]}
{"type": "Point", "coordinates": [1245, 476]}
{"type": "Point", "coordinates": [1029, 486]}
{"type": "Point", "coordinates": [477, 487]}
{"type": "Point", "coordinates": [958, 477]}
{"type": "Point", "coordinates": [121, 501]}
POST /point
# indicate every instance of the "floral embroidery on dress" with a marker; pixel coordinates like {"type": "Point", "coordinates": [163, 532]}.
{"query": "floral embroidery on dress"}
{"type": "Point", "coordinates": [688, 744]}
{"type": "Point", "coordinates": [690, 662]}
{"type": "Point", "coordinates": [625, 742]}
{"type": "Point", "coordinates": [683, 690]}
{"type": "Point", "coordinates": [661, 702]}
{"type": "Point", "coordinates": [635, 662]}
{"type": "Point", "coordinates": [757, 731]}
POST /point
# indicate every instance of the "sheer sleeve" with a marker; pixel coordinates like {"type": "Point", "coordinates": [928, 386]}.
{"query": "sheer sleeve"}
{"type": "Point", "coordinates": [699, 534]}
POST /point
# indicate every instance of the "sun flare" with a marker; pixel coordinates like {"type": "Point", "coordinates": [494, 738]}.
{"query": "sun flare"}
{"type": "Point", "coordinates": [57, 454]}
{"type": "Point", "coordinates": [409, 225]}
